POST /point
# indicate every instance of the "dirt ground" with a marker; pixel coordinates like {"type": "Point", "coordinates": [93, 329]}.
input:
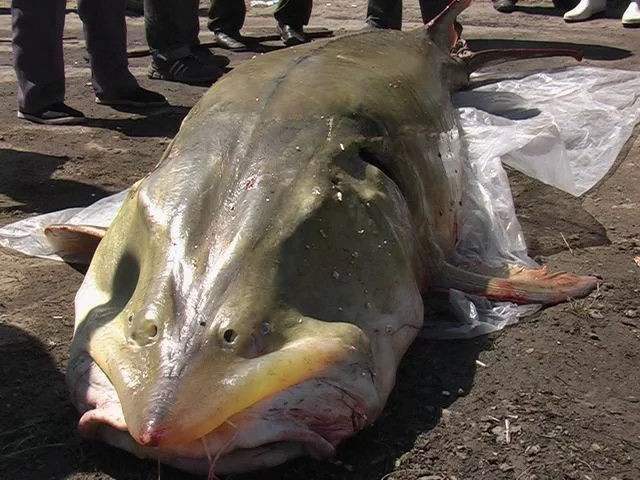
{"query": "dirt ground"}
{"type": "Point", "coordinates": [566, 379]}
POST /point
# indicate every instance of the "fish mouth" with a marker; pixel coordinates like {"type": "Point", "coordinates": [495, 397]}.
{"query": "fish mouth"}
{"type": "Point", "coordinates": [309, 418]}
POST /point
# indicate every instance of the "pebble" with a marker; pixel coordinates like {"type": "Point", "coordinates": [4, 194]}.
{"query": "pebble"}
{"type": "Point", "coordinates": [532, 450]}
{"type": "Point", "coordinates": [595, 314]}
{"type": "Point", "coordinates": [631, 313]}
{"type": "Point", "coordinates": [505, 467]}
{"type": "Point", "coordinates": [593, 336]}
{"type": "Point", "coordinates": [595, 447]}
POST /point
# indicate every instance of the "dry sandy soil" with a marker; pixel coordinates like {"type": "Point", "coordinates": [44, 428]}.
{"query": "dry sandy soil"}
{"type": "Point", "coordinates": [567, 379]}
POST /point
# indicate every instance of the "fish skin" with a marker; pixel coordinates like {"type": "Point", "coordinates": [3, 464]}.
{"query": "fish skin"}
{"type": "Point", "coordinates": [285, 238]}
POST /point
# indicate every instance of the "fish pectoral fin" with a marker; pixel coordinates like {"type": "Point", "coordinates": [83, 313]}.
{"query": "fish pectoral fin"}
{"type": "Point", "coordinates": [74, 243]}
{"type": "Point", "coordinates": [519, 285]}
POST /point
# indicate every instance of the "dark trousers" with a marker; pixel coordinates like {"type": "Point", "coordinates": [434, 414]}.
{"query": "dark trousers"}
{"type": "Point", "coordinates": [172, 27]}
{"type": "Point", "coordinates": [228, 15]}
{"type": "Point", "coordinates": [388, 13]}
{"type": "Point", "coordinates": [37, 27]}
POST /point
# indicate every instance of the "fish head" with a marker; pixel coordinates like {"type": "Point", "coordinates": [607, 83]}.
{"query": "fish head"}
{"type": "Point", "coordinates": [197, 363]}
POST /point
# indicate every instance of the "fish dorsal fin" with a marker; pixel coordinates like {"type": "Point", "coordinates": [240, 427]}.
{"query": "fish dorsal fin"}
{"type": "Point", "coordinates": [74, 243]}
{"type": "Point", "coordinates": [442, 30]}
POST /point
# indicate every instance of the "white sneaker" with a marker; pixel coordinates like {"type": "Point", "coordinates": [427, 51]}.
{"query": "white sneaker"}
{"type": "Point", "coordinates": [631, 16]}
{"type": "Point", "coordinates": [585, 10]}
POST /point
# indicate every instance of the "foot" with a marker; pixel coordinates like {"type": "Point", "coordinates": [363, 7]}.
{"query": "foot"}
{"type": "Point", "coordinates": [504, 6]}
{"type": "Point", "coordinates": [207, 57]}
{"type": "Point", "coordinates": [230, 40]}
{"type": "Point", "coordinates": [291, 35]}
{"type": "Point", "coordinates": [631, 16]}
{"type": "Point", "coordinates": [139, 98]}
{"type": "Point", "coordinates": [585, 10]}
{"type": "Point", "coordinates": [189, 70]}
{"type": "Point", "coordinates": [56, 114]}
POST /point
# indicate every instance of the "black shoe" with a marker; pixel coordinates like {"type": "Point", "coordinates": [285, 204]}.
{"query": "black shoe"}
{"type": "Point", "coordinates": [291, 35]}
{"type": "Point", "coordinates": [504, 6]}
{"type": "Point", "coordinates": [56, 114]}
{"type": "Point", "coordinates": [188, 70]}
{"type": "Point", "coordinates": [206, 56]}
{"type": "Point", "coordinates": [230, 41]}
{"type": "Point", "coordinates": [138, 97]}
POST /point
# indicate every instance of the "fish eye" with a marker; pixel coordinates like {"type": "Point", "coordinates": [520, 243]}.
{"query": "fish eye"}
{"type": "Point", "coordinates": [229, 335]}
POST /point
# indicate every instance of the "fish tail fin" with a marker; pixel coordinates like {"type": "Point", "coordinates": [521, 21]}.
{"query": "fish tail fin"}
{"type": "Point", "coordinates": [519, 285]}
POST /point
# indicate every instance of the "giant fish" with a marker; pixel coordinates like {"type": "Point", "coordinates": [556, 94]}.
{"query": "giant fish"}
{"type": "Point", "coordinates": [256, 291]}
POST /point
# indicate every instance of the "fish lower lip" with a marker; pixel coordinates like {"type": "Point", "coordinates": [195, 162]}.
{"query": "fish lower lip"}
{"type": "Point", "coordinates": [255, 437]}
{"type": "Point", "coordinates": [216, 449]}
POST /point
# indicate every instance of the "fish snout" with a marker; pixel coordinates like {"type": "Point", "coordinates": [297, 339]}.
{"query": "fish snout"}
{"type": "Point", "coordinates": [151, 436]}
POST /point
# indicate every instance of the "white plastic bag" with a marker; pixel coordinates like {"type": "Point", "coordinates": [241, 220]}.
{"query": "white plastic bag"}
{"type": "Point", "coordinates": [586, 115]}
{"type": "Point", "coordinates": [564, 128]}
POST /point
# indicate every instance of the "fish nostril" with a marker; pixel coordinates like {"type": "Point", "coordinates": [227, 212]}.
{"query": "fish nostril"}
{"type": "Point", "coordinates": [151, 330]}
{"type": "Point", "coordinates": [142, 330]}
{"type": "Point", "coordinates": [229, 335]}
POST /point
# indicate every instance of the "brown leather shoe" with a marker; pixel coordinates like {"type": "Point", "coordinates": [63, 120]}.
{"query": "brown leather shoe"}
{"type": "Point", "coordinates": [291, 35]}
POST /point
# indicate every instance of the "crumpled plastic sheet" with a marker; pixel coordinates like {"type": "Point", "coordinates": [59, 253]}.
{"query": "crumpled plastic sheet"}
{"type": "Point", "coordinates": [263, 3]}
{"type": "Point", "coordinates": [564, 127]}
{"type": "Point", "coordinates": [27, 236]}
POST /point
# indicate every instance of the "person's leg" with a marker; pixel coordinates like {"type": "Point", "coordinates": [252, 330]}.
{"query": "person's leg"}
{"type": "Point", "coordinates": [105, 34]}
{"type": "Point", "coordinates": [38, 61]}
{"type": "Point", "coordinates": [430, 9]}
{"type": "Point", "coordinates": [171, 27]}
{"type": "Point", "coordinates": [291, 16]}
{"type": "Point", "coordinates": [37, 52]}
{"type": "Point", "coordinates": [293, 12]}
{"type": "Point", "coordinates": [226, 18]}
{"type": "Point", "coordinates": [384, 14]}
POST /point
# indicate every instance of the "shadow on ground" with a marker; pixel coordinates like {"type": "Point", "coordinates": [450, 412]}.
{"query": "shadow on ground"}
{"type": "Point", "coordinates": [589, 51]}
{"type": "Point", "coordinates": [553, 220]}
{"type": "Point", "coordinates": [37, 422]}
{"type": "Point", "coordinates": [163, 122]}
{"type": "Point", "coordinates": [26, 179]}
